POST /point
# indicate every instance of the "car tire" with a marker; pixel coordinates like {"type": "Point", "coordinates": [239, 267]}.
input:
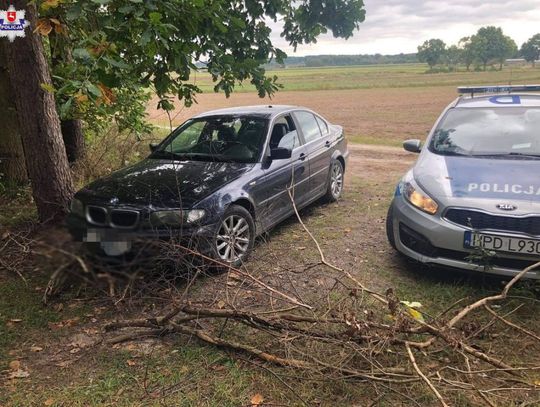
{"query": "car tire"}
{"type": "Point", "coordinates": [235, 232]}
{"type": "Point", "coordinates": [390, 227]}
{"type": "Point", "coordinates": [334, 189]}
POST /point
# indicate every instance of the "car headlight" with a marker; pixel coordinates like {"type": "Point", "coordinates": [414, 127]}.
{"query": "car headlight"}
{"type": "Point", "coordinates": [419, 199]}
{"type": "Point", "coordinates": [77, 208]}
{"type": "Point", "coordinates": [176, 217]}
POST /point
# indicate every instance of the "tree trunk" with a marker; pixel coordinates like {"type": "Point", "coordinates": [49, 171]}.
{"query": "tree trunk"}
{"type": "Point", "coordinates": [72, 132]}
{"type": "Point", "coordinates": [73, 136]}
{"type": "Point", "coordinates": [12, 164]}
{"type": "Point", "coordinates": [46, 159]}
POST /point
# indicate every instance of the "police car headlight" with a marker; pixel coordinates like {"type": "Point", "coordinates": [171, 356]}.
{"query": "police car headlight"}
{"type": "Point", "coordinates": [77, 208]}
{"type": "Point", "coordinates": [176, 217]}
{"type": "Point", "coordinates": [419, 199]}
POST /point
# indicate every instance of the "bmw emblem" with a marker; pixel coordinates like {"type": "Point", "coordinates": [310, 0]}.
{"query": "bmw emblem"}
{"type": "Point", "coordinates": [506, 207]}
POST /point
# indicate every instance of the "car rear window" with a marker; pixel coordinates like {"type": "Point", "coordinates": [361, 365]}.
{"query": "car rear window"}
{"type": "Point", "coordinates": [309, 126]}
{"type": "Point", "coordinates": [500, 131]}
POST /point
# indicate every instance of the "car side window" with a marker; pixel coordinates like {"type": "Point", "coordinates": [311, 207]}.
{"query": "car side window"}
{"type": "Point", "coordinates": [322, 125]}
{"type": "Point", "coordinates": [309, 126]}
{"type": "Point", "coordinates": [284, 134]}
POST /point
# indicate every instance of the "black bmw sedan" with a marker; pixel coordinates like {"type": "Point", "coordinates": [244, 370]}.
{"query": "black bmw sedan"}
{"type": "Point", "coordinates": [222, 178]}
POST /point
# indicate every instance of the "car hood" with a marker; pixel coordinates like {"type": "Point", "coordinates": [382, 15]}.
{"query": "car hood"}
{"type": "Point", "coordinates": [479, 178]}
{"type": "Point", "coordinates": [162, 183]}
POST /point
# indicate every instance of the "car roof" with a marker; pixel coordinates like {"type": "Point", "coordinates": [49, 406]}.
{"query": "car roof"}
{"type": "Point", "coordinates": [499, 100]}
{"type": "Point", "coordinates": [267, 111]}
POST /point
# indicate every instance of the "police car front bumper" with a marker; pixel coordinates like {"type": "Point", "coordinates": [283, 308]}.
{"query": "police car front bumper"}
{"type": "Point", "coordinates": [432, 240]}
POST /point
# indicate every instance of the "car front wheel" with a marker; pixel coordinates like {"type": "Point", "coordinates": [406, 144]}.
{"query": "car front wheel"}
{"type": "Point", "coordinates": [234, 237]}
{"type": "Point", "coordinates": [335, 182]}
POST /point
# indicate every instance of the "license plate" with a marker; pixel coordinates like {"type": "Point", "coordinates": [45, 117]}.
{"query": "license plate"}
{"type": "Point", "coordinates": [502, 243]}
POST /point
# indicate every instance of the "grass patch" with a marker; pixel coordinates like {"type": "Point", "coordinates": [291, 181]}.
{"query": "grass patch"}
{"type": "Point", "coordinates": [24, 319]}
{"type": "Point", "coordinates": [373, 140]}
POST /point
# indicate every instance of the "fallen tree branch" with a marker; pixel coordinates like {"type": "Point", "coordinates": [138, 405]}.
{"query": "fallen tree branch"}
{"type": "Point", "coordinates": [423, 376]}
{"type": "Point", "coordinates": [510, 324]}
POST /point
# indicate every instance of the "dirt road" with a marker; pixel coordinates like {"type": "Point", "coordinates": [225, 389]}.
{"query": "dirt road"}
{"type": "Point", "coordinates": [378, 162]}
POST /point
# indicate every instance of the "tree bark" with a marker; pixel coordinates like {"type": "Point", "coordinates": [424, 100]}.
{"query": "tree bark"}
{"type": "Point", "coordinates": [72, 131]}
{"type": "Point", "coordinates": [73, 136]}
{"type": "Point", "coordinates": [12, 164]}
{"type": "Point", "coordinates": [46, 159]}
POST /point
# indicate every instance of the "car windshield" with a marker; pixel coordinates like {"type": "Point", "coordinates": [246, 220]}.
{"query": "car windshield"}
{"type": "Point", "coordinates": [224, 138]}
{"type": "Point", "coordinates": [489, 132]}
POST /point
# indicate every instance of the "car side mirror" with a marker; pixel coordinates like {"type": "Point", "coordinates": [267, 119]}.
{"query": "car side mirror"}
{"type": "Point", "coordinates": [280, 153]}
{"type": "Point", "coordinates": [414, 146]}
{"type": "Point", "coordinates": [153, 146]}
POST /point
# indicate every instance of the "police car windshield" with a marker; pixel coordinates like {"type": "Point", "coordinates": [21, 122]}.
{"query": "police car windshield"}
{"type": "Point", "coordinates": [494, 132]}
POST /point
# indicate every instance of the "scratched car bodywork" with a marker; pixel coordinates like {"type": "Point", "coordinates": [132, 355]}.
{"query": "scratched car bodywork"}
{"type": "Point", "coordinates": [451, 205]}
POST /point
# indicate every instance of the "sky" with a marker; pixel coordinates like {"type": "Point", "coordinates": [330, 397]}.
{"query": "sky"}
{"type": "Point", "coordinates": [395, 26]}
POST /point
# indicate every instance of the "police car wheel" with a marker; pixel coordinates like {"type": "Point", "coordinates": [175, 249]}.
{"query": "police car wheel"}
{"type": "Point", "coordinates": [390, 227]}
{"type": "Point", "coordinates": [334, 190]}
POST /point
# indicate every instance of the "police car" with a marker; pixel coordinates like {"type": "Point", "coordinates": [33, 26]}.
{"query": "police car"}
{"type": "Point", "coordinates": [473, 197]}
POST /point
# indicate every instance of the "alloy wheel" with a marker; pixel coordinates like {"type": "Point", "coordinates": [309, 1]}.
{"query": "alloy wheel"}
{"type": "Point", "coordinates": [233, 237]}
{"type": "Point", "coordinates": [336, 180]}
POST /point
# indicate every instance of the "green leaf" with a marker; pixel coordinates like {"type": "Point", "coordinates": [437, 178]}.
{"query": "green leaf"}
{"type": "Point", "coordinates": [47, 87]}
{"type": "Point", "coordinates": [94, 90]}
{"type": "Point", "coordinates": [115, 63]}
{"type": "Point", "coordinates": [81, 53]}
{"type": "Point", "coordinates": [73, 12]}
{"type": "Point", "coordinates": [145, 37]}
{"type": "Point", "coordinates": [65, 109]}
{"type": "Point", "coordinates": [126, 9]}
{"type": "Point", "coordinates": [155, 17]}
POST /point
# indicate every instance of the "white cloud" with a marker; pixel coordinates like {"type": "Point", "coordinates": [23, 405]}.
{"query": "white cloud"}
{"type": "Point", "coordinates": [394, 26]}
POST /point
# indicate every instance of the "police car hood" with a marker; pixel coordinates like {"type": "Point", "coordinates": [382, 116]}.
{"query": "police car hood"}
{"type": "Point", "coordinates": [456, 179]}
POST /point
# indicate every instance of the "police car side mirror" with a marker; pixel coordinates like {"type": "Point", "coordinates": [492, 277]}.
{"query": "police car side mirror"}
{"type": "Point", "coordinates": [153, 146]}
{"type": "Point", "coordinates": [414, 146]}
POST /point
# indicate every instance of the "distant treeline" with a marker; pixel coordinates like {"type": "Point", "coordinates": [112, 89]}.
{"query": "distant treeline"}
{"type": "Point", "coordinates": [344, 60]}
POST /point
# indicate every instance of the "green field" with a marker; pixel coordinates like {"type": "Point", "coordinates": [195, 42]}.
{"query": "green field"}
{"type": "Point", "coordinates": [380, 76]}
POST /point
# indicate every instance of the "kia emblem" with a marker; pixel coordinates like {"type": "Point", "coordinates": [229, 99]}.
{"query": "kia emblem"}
{"type": "Point", "coordinates": [506, 207]}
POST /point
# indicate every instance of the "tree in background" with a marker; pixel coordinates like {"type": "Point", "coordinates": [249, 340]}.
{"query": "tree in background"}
{"type": "Point", "coordinates": [453, 57]}
{"type": "Point", "coordinates": [490, 44]}
{"type": "Point", "coordinates": [467, 52]}
{"type": "Point", "coordinates": [432, 52]}
{"type": "Point", "coordinates": [530, 50]}
{"type": "Point", "coordinates": [107, 54]}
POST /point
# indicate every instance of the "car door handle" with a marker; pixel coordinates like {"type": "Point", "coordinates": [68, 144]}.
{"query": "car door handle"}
{"type": "Point", "coordinates": [327, 144]}
{"type": "Point", "coordinates": [302, 157]}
